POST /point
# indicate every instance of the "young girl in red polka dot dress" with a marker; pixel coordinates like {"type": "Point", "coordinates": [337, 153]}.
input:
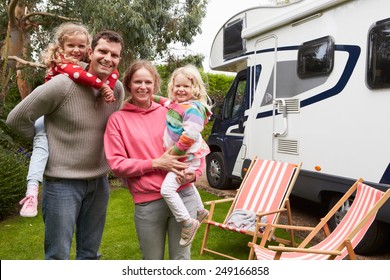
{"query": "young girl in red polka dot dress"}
{"type": "Point", "coordinates": [64, 56]}
{"type": "Point", "coordinates": [71, 43]}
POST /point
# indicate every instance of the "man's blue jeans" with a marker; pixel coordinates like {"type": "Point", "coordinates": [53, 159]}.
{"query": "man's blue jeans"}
{"type": "Point", "coordinates": [68, 204]}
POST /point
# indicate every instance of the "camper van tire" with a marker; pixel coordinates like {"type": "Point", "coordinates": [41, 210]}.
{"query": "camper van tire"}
{"type": "Point", "coordinates": [216, 171]}
{"type": "Point", "coordinates": [376, 237]}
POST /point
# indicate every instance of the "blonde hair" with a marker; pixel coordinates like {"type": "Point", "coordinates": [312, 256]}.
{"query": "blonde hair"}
{"type": "Point", "coordinates": [134, 67]}
{"type": "Point", "coordinates": [54, 53]}
{"type": "Point", "coordinates": [198, 86]}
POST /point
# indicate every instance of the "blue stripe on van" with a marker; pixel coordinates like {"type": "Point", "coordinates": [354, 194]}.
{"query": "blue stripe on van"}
{"type": "Point", "coordinates": [354, 53]}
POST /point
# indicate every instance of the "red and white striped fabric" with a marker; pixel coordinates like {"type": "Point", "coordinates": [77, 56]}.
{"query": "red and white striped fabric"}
{"type": "Point", "coordinates": [264, 189]}
{"type": "Point", "coordinates": [365, 198]}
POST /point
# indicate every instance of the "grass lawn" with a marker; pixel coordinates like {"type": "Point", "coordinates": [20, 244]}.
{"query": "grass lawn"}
{"type": "Point", "coordinates": [22, 238]}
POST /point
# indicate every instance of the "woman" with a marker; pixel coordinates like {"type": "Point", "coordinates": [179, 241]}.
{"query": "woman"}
{"type": "Point", "coordinates": [134, 149]}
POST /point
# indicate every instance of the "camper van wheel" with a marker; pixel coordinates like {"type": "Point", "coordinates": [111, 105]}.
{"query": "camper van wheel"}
{"type": "Point", "coordinates": [376, 236]}
{"type": "Point", "coordinates": [216, 171]}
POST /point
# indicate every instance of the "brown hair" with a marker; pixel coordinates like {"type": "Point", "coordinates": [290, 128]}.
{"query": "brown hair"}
{"type": "Point", "coordinates": [109, 36]}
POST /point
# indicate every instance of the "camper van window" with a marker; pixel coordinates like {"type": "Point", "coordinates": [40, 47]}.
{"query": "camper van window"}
{"type": "Point", "coordinates": [239, 97]}
{"type": "Point", "coordinates": [315, 58]}
{"type": "Point", "coordinates": [378, 64]}
{"type": "Point", "coordinates": [234, 98]}
{"type": "Point", "coordinates": [233, 44]}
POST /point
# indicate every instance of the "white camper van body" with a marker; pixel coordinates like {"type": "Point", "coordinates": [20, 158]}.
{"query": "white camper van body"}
{"type": "Point", "coordinates": [329, 114]}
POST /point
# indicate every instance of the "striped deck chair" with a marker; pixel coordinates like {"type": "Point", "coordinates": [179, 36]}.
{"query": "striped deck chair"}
{"type": "Point", "coordinates": [264, 192]}
{"type": "Point", "coordinates": [341, 242]}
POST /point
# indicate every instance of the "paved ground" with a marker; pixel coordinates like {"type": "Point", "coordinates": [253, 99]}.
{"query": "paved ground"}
{"type": "Point", "coordinates": [303, 214]}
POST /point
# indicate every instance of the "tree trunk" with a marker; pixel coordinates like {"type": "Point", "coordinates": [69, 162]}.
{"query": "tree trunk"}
{"type": "Point", "coordinates": [14, 45]}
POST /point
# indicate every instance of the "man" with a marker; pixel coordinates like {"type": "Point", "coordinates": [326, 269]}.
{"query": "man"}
{"type": "Point", "coordinates": [75, 186]}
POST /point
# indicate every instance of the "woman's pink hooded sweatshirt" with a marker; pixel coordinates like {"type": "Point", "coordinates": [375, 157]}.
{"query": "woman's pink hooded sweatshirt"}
{"type": "Point", "coordinates": [134, 137]}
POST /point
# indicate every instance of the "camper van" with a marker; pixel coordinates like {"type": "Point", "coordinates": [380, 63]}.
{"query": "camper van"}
{"type": "Point", "coordinates": [312, 85]}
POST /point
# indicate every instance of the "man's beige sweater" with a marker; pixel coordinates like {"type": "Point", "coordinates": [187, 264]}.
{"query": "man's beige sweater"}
{"type": "Point", "coordinates": [75, 121]}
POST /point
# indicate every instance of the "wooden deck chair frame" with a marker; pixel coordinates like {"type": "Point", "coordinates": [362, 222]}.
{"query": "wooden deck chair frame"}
{"type": "Point", "coordinates": [271, 214]}
{"type": "Point", "coordinates": [343, 244]}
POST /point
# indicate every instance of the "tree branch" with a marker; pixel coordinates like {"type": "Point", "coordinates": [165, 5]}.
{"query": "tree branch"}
{"type": "Point", "coordinates": [11, 12]}
{"type": "Point", "coordinates": [24, 62]}
{"type": "Point", "coordinates": [26, 17]}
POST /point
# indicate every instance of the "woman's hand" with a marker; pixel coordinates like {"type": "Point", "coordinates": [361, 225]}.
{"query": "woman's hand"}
{"type": "Point", "coordinates": [170, 163]}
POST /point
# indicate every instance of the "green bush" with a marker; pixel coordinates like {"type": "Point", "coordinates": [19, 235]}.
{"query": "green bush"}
{"type": "Point", "coordinates": [9, 140]}
{"type": "Point", "coordinates": [13, 170]}
{"type": "Point", "coordinates": [218, 86]}
{"type": "Point", "coordinates": [207, 130]}
{"type": "Point", "coordinates": [13, 159]}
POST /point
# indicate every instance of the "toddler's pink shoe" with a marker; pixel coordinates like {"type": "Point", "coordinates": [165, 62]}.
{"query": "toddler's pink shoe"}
{"type": "Point", "coordinates": [202, 215]}
{"type": "Point", "coordinates": [188, 231]}
{"type": "Point", "coordinates": [30, 206]}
